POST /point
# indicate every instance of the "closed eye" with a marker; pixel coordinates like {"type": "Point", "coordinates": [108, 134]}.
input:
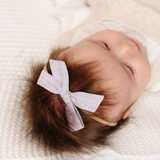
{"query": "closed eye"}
{"type": "Point", "coordinates": [106, 45]}
{"type": "Point", "coordinates": [101, 43]}
{"type": "Point", "coordinates": [130, 68]}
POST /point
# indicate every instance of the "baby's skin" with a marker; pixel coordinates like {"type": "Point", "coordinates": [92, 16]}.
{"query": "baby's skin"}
{"type": "Point", "coordinates": [123, 59]}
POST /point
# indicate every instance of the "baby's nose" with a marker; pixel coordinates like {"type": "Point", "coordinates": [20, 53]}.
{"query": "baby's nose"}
{"type": "Point", "coordinates": [126, 48]}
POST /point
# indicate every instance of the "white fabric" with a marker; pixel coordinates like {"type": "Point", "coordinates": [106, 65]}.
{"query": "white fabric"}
{"type": "Point", "coordinates": [153, 48]}
{"type": "Point", "coordinates": [28, 32]}
{"type": "Point", "coordinates": [71, 13]}
{"type": "Point", "coordinates": [58, 83]}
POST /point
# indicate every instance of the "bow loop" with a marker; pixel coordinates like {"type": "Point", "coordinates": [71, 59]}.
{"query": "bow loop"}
{"type": "Point", "coordinates": [60, 74]}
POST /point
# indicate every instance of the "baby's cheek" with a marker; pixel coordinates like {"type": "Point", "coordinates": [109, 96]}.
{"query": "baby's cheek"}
{"type": "Point", "coordinates": [144, 70]}
{"type": "Point", "coordinates": [147, 71]}
{"type": "Point", "coordinates": [144, 79]}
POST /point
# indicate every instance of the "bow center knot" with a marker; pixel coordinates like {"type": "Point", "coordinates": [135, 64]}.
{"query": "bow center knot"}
{"type": "Point", "coordinates": [66, 96]}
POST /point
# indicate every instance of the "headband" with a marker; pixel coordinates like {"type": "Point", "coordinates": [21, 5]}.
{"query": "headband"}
{"type": "Point", "coordinates": [91, 114]}
{"type": "Point", "coordinates": [99, 119]}
{"type": "Point", "coordinates": [58, 83]}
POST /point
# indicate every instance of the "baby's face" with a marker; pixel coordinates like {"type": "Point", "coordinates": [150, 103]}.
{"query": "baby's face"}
{"type": "Point", "coordinates": [124, 58]}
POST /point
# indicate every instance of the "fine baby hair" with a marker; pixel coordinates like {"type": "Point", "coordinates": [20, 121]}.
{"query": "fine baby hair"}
{"type": "Point", "coordinates": [46, 111]}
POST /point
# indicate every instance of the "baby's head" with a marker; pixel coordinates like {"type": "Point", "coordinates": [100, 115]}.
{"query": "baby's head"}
{"type": "Point", "coordinates": [123, 64]}
{"type": "Point", "coordinates": [107, 63]}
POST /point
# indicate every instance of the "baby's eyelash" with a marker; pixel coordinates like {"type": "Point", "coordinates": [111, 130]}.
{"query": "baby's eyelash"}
{"type": "Point", "coordinates": [130, 69]}
{"type": "Point", "coordinates": [106, 45]}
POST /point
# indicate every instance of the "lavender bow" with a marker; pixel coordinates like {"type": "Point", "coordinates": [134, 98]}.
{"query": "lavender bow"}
{"type": "Point", "coordinates": [58, 83]}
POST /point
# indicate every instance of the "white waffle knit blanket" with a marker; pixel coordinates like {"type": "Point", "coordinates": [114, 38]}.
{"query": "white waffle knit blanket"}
{"type": "Point", "coordinates": [28, 31]}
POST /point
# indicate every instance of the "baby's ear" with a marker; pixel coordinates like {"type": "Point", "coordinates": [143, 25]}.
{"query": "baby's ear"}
{"type": "Point", "coordinates": [125, 115]}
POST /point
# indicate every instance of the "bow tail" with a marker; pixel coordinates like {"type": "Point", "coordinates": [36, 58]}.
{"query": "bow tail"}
{"type": "Point", "coordinates": [74, 118]}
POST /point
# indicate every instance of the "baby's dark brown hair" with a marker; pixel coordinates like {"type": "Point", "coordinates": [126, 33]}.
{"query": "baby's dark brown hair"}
{"type": "Point", "coordinates": [47, 121]}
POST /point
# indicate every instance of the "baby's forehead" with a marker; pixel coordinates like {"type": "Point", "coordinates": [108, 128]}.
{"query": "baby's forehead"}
{"type": "Point", "coordinates": [103, 68]}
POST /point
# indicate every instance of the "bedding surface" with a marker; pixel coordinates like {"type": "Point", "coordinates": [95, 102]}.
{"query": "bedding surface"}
{"type": "Point", "coordinates": [28, 32]}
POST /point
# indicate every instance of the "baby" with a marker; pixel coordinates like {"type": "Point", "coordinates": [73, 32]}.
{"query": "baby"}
{"type": "Point", "coordinates": [108, 67]}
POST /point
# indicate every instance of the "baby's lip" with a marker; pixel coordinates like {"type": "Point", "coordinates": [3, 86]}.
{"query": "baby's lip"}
{"type": "Point", "coordinates": [136, 44]}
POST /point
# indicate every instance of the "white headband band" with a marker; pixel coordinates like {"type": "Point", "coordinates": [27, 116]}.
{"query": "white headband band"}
{"type": "Point", "coordinates": [58, 83]}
